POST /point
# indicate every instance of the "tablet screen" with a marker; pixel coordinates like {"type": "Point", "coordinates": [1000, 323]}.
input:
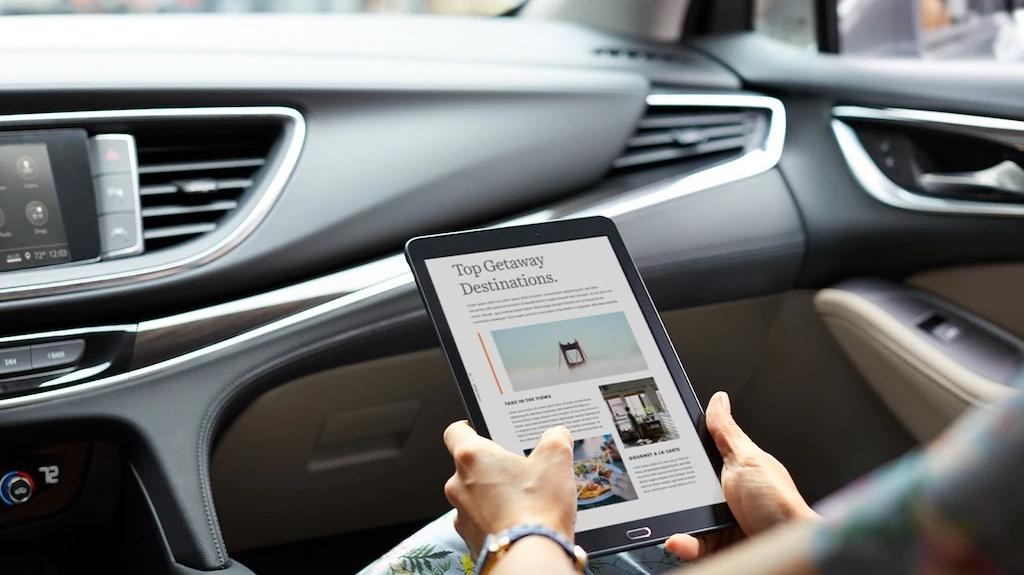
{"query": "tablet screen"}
{"type": "Point", "coordinates": [552, 334]}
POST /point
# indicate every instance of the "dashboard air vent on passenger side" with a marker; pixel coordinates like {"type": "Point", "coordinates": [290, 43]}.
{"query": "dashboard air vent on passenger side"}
{"type": "Point", "coordinates": [194, 175]}
{"type": "Point", "coordinates": [668, 135]}
{"type": "Point", "coordinates": [636, 54]}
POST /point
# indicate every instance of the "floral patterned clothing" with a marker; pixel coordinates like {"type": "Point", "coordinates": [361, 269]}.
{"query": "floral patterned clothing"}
{"type": "Point", "coordinates": [955, 507]}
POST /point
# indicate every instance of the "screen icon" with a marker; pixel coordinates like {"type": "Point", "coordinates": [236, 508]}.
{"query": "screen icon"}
{"type": "Point", "coordinates": [26, 167]}
{"type": "Point", "coordinates": [37, 213]}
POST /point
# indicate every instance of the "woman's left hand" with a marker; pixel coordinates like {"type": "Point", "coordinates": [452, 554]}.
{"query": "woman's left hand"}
{"type": "Point", "coordinates": [759, 490]}
{"type": "Point", "coordinates": [494, 489]}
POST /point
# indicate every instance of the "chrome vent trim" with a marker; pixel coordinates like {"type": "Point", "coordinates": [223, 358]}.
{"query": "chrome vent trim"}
{"type": "Point", "coordinates": [272, 184]}
{"type": "Point", "coordinates": [873, 181]}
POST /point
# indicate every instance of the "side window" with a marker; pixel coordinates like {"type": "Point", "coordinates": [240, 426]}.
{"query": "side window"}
{"type": "Point", "coordinates": [926, 29]}
{"type": "Point", "coordinates": [792, 21]}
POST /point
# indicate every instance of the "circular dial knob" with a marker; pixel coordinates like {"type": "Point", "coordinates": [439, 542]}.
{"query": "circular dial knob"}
{"type": "Point", "coordinates": [16, 487]}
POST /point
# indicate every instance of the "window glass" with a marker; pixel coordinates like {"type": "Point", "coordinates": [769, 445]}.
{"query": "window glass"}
{"type": "Point", "coordinates": [927, 29]}
{"type": "Point", "coordinates": [934, 29]}
{"type": "Point", "coordinates": [791, 21]}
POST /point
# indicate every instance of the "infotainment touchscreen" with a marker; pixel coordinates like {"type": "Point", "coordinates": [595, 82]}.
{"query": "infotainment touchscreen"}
{"type": "Point", "coordinates": [31, 224]}
{"type": "Point", "coordinates": [47, 200]}
{"type": "Point", "coordinates": [553, 333]}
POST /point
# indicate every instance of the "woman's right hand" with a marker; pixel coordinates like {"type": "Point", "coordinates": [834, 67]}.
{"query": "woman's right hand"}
{"type": "Point", "coordinates": [494, 489]}
{"type": "Point", "coordinates": [758, 489]}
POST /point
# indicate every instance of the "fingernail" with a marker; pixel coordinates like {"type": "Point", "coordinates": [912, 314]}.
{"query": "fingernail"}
{"type": "Point", "coordinates": [723, 397]}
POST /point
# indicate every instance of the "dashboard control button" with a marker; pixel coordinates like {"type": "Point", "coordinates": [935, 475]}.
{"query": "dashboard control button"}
{"type": "Point", "coordinates": [15, 360]}
{"type": "Point", "coordinates": [57, 353]}
{"type": "Point", "coordinates": [115, 193]}
{"type": "Point", "coordinates": [16, 487]}
{"type": "Point", "coordinates": [110, 155]}
{"type": "Point", "coordinates": [37, 213]}
{"type": "Point", "coordinates": [119, 232]}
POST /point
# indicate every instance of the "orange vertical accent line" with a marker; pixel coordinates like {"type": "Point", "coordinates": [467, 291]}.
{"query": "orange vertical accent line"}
{"type": "Point", "coordinates": [489, 364]}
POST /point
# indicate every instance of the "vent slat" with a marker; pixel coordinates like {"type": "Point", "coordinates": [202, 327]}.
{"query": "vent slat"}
{"type": "Point", "coordinates": [689, 120]}
{"type": "Point", "coordinates": [202, 166]}
{"type": "Point", "coordinates": [160, 211]}
{"type": "Point", "coordinates": [670, 134]}
{"type": "Point", "coordinates": [675, 153]}
{"type": "Point", "coordinates": [203, 186]}
{"type": "Point", "coordinates": [158, 190]}
{"type": "Point", "coordinates": [179, 231]}
{"type": "Point", "coordinates": [674, 136]}
{"type": "Point", "coordinates": [234, 184]}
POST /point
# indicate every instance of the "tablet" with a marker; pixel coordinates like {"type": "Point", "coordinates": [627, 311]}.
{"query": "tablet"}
{"type": "Point", "coordinates": [550, 324]}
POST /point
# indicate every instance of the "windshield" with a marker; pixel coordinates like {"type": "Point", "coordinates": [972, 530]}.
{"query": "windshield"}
{"type": "Point", "coordinates": [451, 7]}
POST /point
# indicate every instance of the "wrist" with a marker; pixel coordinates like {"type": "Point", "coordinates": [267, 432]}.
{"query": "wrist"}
{"type": "Point", "coordinates": [528, 543]}
{"type": "Point", "coordinates": [548, 521]}
{"type": "Point", "coordinates": [540, 546]}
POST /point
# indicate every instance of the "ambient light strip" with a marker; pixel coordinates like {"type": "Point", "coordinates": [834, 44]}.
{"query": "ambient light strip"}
{"type": "Point", "coordinates": [392, 273]}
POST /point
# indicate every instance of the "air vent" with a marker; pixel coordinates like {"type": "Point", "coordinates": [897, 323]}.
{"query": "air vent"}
{"type": "Point", "coordinates": [636, 54]}
{"type": "Point", "coordinates": [668, 135]}
{"type": "Point", "coordinates": [193, 176]}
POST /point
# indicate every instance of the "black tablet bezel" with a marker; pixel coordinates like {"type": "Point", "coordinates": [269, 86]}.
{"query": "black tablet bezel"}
{"type": "Point", "coordinates": [612, 538]}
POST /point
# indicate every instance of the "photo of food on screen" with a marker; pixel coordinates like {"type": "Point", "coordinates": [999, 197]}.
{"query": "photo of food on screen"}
{"type": "Point", "coordinates": [601, 477]}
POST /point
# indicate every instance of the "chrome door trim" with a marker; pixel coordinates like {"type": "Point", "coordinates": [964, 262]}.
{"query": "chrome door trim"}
{"type": "Point", "coordinates": [288, 158]}
{"type": "Point", "coordinates": [390, 273]}
{"type": "Point", "coordinates": [908, 116]}
{"type": "Point", "coordinates": [880, 187]}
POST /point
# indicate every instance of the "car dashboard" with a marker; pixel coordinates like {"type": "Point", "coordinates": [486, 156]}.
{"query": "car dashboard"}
{"type": "Point", "coordinates": [255, 178]}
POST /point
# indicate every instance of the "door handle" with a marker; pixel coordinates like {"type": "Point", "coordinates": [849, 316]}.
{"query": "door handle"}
{"type": "Point", "coordinates": [1006, 177]}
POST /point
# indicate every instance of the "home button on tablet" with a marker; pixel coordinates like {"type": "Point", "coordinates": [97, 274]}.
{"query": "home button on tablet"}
{"type": "Point", "coordinates": [638, 533]}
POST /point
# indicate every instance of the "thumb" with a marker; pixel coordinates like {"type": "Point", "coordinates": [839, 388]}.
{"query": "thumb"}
{"type": "Point", "coordinates": [731, 441]}
{"type": "Point", "coordinates": [683, 546]}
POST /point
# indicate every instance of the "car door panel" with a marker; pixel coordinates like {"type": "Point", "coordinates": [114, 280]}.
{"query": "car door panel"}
{"type": "Point", "coordinates": [851, 233]}
{"type": "Point", "coordinates": [992, 291]}
{"type": "Point", "coordinates": [928, 360]}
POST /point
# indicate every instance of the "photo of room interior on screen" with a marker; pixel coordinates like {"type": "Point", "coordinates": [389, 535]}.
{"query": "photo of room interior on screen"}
{"type": "Point", "coordinates": [639, 412]}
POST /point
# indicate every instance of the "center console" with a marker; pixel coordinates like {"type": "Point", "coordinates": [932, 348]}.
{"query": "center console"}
{"type": "Point", "coordinates": [67, 198]}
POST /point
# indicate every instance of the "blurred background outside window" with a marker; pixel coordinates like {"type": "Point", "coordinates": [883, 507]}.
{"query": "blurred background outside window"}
{"type": "Point", "coordinates": [458, 7]}
{"type": "Point", "coordinates": [927, 29]}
